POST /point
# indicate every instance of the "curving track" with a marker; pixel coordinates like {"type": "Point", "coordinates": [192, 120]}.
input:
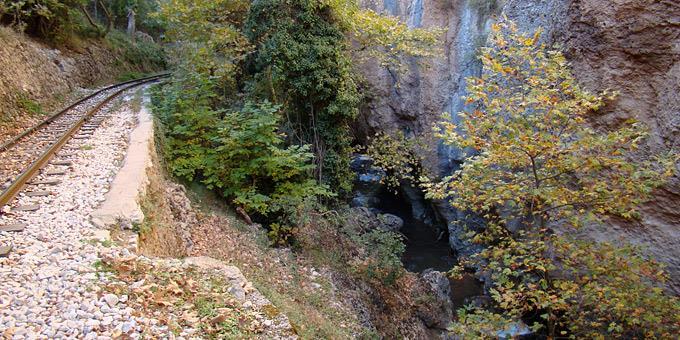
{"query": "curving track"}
{"type": "Point", "coordinates": [23, 157]}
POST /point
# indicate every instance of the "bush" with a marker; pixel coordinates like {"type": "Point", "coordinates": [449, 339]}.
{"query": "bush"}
{"type": "Point", "coordinates": [238, 152]}
{"type": "Point", "coordinates": [342, 239]}
{"type": "Point", "coordinates": [379, 257]}
{"type": "Point", "coordinates": [397, 156]}
{"type": "Point", "coordinates": [54, 20]}
{"type": "Point", "coordinates": [145, 56]}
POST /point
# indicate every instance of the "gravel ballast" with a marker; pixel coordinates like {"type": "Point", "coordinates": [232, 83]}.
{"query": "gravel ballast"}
{"type": "Point", "coordinates": [50, 280]}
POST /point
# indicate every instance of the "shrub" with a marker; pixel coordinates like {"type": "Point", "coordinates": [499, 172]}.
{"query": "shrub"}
{"type": "Point", "coordinates": [379, 256]}
{"type": "Point", "coordinates": [238, 152]}
{"type": "Point", "coordinates": [145, 56]}
{"type": "Point", "coordinates": [29, 105]}
{"type": "Point", "coordinates": [397, 156]}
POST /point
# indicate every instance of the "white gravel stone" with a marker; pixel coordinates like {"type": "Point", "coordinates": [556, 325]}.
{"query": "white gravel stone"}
{"type": "Point", "coordinates": [111, 299]}
{"type": "Point", "coordinates": [50, 288]}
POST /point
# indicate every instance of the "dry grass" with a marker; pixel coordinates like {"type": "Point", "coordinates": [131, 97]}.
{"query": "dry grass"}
{"type": "Point", "coordinates": [181, 299]}
{"type": "Point", "coordinates": [308, 301]}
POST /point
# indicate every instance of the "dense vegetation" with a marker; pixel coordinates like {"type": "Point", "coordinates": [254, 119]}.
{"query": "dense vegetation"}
{"type": "Point", "coordinates": [274, 78]}
{"type": "Point", "coordinates": [50, 19]}
{"type": "Point", "coordinates": [66, 23]}
{"type": "Point", "coordinates": [536, 172]}
{"type": "Point", "coordinates": [260, 109]}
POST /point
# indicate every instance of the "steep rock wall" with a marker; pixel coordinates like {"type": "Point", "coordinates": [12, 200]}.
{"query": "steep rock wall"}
{"type": "Point", "coordinates": [631, 46]}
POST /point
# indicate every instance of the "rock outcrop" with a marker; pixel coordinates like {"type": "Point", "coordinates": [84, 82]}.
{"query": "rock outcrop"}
{"type": "Point", "coordinates": [440, 288]}
{"type": "Point", "coordinates": [630, 46]}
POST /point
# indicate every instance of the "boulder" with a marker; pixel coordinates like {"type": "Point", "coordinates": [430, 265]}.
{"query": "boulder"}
{"type": "Point", "coordinates": [390, 222]}
{"type": "Point", "coordinates": [436, 312]}
{"type": "Point", "coordinates": [439, 282]}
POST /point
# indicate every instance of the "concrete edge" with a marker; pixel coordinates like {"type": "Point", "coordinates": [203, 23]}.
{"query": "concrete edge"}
{"type": "Point", "coordinates": [122, 202]}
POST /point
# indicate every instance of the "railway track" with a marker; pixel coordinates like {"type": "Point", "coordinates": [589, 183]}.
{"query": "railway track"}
{"type": "Point", "coordinates": [32, 152]}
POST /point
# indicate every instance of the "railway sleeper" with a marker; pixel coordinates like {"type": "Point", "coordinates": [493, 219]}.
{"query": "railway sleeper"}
{"type": "Point", "coordinates": [46, 182]}
{"type": "Point", "coordinates": [31, 207]}
{"type": "Point", "coordinates": [14, 227]}
{"type": "Point", "coordinates": [55, 172]}
{"type": "Point", "coordinates": [38, 193]}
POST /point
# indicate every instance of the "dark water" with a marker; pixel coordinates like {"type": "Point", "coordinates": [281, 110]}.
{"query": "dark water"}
{"type": "Point", "coordinates": [464, 290]}
{"type": "Point", "coordinates": [426, 247]}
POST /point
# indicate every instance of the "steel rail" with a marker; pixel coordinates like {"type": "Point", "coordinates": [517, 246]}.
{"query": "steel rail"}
{"type": "Point", "coordinates": [4, 146]}
{"type": "Point", "coordinates": [17, 185]}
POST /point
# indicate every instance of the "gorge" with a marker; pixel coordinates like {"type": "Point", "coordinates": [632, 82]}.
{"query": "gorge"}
{"type": "Point", "coordinates": [626, 46]}
{"type": "Point", "coordinates": [340, 169]}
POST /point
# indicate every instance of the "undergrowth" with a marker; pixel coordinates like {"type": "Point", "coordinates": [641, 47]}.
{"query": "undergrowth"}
{"type": "Point", "coordinates": [142, 56]}
{"type": "Point", "coordinates": [28, 105]}
{"type": "Point", "coordinates": [182, 299]}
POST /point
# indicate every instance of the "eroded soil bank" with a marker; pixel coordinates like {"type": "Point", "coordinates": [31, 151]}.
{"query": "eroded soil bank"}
{"type": "Point", "coordinates": [319, 299]}
{"type": "Point", "coordinates": [37, 79]}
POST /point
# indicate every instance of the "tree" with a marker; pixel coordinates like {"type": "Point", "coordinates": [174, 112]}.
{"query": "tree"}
{"type": "Point", "coordinates": [303, 60]}
{"type": "Point", "coordinates": [102, 32]}
{"type": "Point", "coordinates": [207, 38]}
{"type": "Point", "coordinates": [384, 38]}
{"type": "Point", "coordinates": [48, 19]}
{"type": "Point", "coordinates": [537, 168]}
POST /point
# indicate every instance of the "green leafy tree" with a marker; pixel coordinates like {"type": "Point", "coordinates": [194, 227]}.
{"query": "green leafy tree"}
{"type": "Point", "coordinates": [300, 62]}
{"type": "Point", "coordinates": [207, 39]}
{"type": "Point", "coordinates": [535, 165]}
{"type": "Point", "coordinates": [239, 152]}
{"type": "Point", "coordinates": [144, 11]}
{"type": "Point", "coordinates": [50, 19]}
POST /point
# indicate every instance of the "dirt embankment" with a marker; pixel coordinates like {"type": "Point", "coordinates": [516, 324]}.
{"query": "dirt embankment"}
{"type": "Point", "coordinates": [36, 79]}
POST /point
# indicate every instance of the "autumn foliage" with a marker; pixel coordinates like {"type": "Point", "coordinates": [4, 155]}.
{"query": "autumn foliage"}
{"type": "Point", "coordinates": [536, 172]}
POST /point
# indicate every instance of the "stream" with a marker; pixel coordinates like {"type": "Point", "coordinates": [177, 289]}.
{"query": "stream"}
{"type": "Point", "coordinates": [426, 248]}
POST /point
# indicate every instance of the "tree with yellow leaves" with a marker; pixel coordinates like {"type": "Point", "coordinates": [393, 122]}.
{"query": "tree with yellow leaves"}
{"type": "Point", "coordinates": [536, 166]}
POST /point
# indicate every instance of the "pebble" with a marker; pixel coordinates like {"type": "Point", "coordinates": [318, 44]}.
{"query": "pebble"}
{"type": "Point", "coordinates": [51, 289]}
{"type": "Point", "coordinates": [111, 299]}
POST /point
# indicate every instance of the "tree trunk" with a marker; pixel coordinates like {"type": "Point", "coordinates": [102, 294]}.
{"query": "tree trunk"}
{"type": "Point", "coordinates": [109, 18]}
{"type": "Point", "coordinates": [88, 17]}
{"type": "Point", "coordinates": [131, 24]}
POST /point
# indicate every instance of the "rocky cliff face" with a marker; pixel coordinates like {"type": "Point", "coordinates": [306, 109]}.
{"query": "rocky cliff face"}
{"type": "Point", "coordinates": [33, 71]}
{"type": "Point", "coordinates": [631, 46]}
